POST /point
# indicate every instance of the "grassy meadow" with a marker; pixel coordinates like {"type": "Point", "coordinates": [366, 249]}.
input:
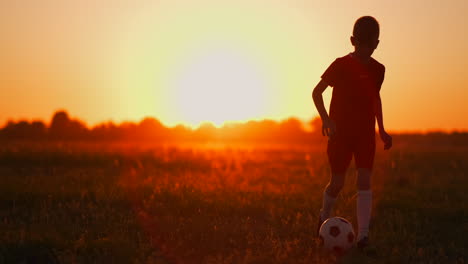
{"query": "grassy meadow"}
{"type": "Point", "coordinates": [215, 203]}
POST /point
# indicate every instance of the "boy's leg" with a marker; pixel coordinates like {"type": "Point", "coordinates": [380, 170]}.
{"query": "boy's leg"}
{"type": "Point", "coordinates": [364, 202]}
{"type": "Point", "coordinates": [329, 197]}
{"type": "Point", "coordinates": [331, 192]}
{"type": "Point", "coordinates": [339, 156]}
{"type": "Point", "coordinates": [364, 156]}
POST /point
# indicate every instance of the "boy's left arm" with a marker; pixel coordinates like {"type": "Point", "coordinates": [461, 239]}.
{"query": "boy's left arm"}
{"type": "Point", "coordinates": [386, 138]}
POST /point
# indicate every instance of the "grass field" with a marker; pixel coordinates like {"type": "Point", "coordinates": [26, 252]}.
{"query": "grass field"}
{"type": "Point", "coordinates": [124, 203]}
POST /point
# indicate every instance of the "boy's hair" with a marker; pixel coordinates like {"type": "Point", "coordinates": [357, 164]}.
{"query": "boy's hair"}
{"type": "Point", "coordinates": [365, 28]}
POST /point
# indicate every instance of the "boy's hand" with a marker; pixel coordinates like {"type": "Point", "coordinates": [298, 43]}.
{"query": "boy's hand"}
{"type": "Point", "coordinates": [328, 127]}
{"type": "Point", "coordinates": [386, 138]}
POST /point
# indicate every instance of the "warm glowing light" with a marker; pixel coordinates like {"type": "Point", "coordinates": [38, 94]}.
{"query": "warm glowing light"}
{"type": "Point", "coordinates": [219, 85]}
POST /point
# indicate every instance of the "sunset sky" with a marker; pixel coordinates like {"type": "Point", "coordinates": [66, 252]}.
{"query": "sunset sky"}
{"type": "Point", "coordinates": [185, 61]}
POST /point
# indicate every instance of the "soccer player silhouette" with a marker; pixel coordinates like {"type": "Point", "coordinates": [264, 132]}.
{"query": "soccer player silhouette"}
{"type": "Point", "coordinates": [356, 79]}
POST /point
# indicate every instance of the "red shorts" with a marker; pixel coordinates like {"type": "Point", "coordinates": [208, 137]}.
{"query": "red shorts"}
{"type": "Point", "coordinates": [340, 151]}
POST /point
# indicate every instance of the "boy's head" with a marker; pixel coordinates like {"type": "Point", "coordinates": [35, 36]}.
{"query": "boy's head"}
{"type": "Point", "coordinates": [365, 36]}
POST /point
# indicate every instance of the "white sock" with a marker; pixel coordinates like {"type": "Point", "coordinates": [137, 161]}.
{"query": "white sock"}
{"type": "Point", "coordinates": [327, 206]}
{"type": "Point", "coordinates": [363, 210]}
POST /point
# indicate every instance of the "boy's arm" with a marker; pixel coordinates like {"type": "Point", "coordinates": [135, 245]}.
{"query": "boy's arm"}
{"type": "Point", "coordinates": [386, 138]}
{"type": "Point", "coordinates": [328, 126]}
{"type": "Point", "coordinates": [378, 113]}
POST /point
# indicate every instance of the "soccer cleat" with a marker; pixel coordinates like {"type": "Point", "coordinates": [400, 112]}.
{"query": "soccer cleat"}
{"type": "Point", "coordinates": [363, 243]}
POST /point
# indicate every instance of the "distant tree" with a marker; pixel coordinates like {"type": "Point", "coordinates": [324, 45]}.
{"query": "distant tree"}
{"type": "Point", "coordinates": [106, 131]}
{"type": "Point", "coordinates": [316, 124]}
{"type": "Point", "coordinates": [59, 125]}
{"type": "Point", "coordinates": [263, 130]}
{"type": "Point", "coordinates": [150, 129]}
{"type": "Point", "coordinates": [24, 130]}
{"type": "Point", "coordinates": [14, 130]}
{"type": "Point", "coordinates": [232, 131]}
{"type": "Point", "coordinates": [179, 132]}
{"type": "Point", "coordinates": [38, 130]}
{"type": "Point", "coordinates": [128, 130]}
{"type": "Point", "coordinates": [206, 131]}
{"type": "Point", "coordinates": [291, 130]}
{"type": "Point", "coordinates": [63, 128]}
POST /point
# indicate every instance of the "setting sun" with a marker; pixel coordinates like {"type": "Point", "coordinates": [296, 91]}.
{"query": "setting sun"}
{"type": "Point", "coordinates": [219, 85]}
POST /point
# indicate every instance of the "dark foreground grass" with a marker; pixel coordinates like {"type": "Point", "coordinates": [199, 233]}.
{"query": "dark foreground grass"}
{"type": "Point", "coordinates": [79, 203]}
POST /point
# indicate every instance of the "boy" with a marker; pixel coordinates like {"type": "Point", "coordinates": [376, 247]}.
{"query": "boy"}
{"type": "Point", "coordinates": [356, 80]}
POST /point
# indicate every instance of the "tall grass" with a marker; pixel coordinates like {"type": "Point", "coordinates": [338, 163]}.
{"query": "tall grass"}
{"type": "Point", "coordinates": [121, 203]}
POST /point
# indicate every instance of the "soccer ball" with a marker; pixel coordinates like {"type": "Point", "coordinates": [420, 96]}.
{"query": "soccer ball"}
{"type": "Point", "coordinates": [336, 235]}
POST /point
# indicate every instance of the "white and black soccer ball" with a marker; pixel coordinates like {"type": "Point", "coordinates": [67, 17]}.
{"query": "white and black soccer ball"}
{"type": "Point", "coordinates": [336, 235]}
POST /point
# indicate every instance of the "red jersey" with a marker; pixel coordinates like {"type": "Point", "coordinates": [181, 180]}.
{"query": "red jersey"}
{"type": "Point", "coordinates": [355, 89]}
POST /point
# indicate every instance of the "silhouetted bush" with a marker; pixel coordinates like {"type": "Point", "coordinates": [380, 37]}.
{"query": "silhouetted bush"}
{"type": "Point", "coordinates": [24, 130]}
{"type": "Point", "coordinates": [64, 128]}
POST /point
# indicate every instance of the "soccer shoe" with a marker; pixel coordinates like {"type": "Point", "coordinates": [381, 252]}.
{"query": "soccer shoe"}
{"type": "Point", "coordinates": [363, 243]}
{"type": "Point", "coordinates": [366, 248]}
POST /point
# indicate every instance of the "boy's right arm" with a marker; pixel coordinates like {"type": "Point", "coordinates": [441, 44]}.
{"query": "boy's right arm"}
{"type": "Point", "coordinates": [328, 126]}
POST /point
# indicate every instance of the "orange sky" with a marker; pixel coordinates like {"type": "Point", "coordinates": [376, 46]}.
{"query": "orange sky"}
{"type": "Point", "coordinates": [190, 61]}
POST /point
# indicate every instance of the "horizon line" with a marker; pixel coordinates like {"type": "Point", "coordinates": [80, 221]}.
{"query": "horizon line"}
{"type": "Point", "coordinates": [304, 122]}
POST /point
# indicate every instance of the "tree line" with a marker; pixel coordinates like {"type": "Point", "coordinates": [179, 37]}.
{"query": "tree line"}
{"type": "Point", "coordinates": [63, 127]}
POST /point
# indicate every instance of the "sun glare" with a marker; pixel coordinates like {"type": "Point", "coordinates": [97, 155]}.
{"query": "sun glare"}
{"type": "Point", "coordinates": [219, 85]}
